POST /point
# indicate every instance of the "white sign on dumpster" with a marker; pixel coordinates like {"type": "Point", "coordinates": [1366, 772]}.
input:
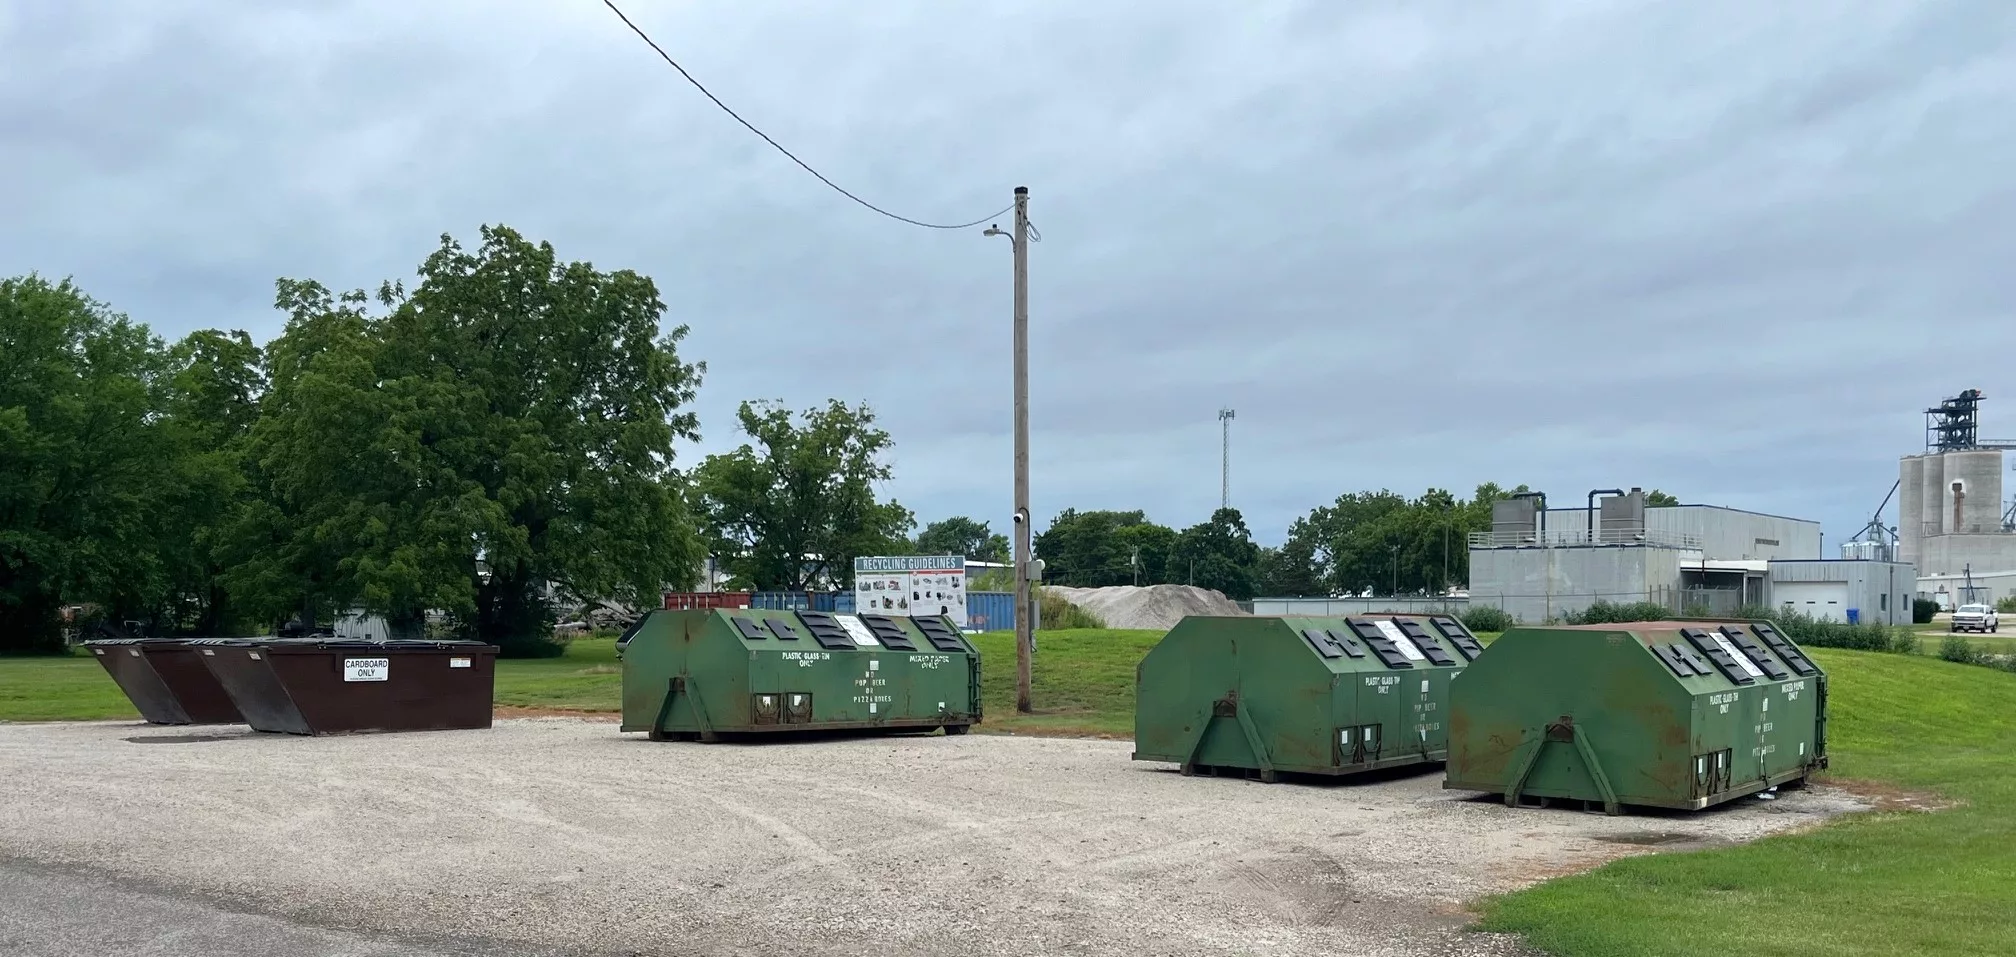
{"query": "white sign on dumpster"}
{"type": "Point", "coordinates": [367, 669]}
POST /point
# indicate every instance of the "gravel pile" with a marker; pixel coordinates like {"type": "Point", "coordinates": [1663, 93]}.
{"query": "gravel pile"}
{"type": "Point", "coordinates": [1154, 607]}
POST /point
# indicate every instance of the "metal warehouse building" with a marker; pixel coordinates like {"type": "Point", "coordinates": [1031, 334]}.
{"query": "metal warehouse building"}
{"type": "Point", "coordinates": [1542, 564]}
{"type": "Point", "coordinates": [1844, 590]}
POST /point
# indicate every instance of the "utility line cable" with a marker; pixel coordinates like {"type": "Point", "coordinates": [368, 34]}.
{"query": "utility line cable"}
{"type": "Point", "coordinates": [778, 146]}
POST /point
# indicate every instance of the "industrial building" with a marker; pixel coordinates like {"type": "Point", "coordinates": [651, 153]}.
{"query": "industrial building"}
{"type": "Point", "coordinates": [1950, 514]}
{"type": "Point", "coordinates": [1543, 564]}
{"type": "Point", "coordinates": [1951, 521]}
{"type": "Point", "coordinates": [1841, 589]}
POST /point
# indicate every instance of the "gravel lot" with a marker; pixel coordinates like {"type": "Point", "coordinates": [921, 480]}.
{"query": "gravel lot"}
{"type": "Point", "coordinates": [563, 836]}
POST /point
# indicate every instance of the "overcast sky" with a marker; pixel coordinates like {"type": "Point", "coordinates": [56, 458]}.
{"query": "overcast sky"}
{"type": "Point", "coordinates": [1729, 250]}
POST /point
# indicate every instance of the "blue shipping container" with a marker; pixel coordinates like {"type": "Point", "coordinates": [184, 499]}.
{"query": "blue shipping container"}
{"type": "Point", "coordinates": [990, 610]}
{"type": "Point", "coordinates": [781, 600]}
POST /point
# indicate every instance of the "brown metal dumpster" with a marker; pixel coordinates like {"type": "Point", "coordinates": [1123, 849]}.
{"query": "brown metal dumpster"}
{"type": "Point", "coordinates": [329, 686]}
{"type": "Point", "coordinates": [166, 680]}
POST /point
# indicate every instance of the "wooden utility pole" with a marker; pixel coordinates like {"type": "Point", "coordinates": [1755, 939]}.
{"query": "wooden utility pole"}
{"type": "Point", "coordinates": [1025, 645]}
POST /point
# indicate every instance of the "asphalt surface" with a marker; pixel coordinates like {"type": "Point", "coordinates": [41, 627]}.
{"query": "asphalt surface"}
{"type": "Point", "coordinates": [49, 912]}
{"type": "Point", "coordinates": [563, 837]}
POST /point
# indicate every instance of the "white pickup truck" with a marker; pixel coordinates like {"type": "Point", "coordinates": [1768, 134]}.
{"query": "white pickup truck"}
{"type": "Point", "coordinates": [1973, 618]}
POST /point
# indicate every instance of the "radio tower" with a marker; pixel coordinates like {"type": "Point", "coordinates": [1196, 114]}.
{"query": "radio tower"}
{"type": "Point", "coordinates": [1225, 460]}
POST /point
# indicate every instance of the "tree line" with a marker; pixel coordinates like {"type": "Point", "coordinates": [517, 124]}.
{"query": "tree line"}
{"type": "Point", "coordinates": [1364, 542]}
{"type": "Point", "coordinates": [496, 443]}
{"type": "Point", "coordinates": [491, 444]}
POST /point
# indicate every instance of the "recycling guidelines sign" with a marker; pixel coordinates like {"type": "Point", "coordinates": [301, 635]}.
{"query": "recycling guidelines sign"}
{"type": "Point", "coordinates": [920, 586]}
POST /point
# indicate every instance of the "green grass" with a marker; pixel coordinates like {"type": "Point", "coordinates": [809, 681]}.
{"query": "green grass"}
{"type": "Point", "coordinates": [1082, 682]}
{"type": "Point", "coordinates": [1996, 644]}
{"type": "Point", "coordinates": [1888, 883]}
{"type": "Point", "coordinates": [72, 688]}
{"type": "Point", "coordinates": [586, 678]}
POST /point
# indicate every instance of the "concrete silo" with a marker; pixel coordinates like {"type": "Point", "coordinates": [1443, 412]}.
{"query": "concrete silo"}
{"type": "Point", "coordinates": [1910, 505]}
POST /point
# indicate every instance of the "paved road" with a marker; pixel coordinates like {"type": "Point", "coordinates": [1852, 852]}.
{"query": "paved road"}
{"type": "Point", "coordinates": [46, 912]}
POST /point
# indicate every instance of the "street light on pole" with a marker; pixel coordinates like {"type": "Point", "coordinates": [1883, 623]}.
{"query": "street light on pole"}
{"type": "Point", "coordinates": [1024, 645]}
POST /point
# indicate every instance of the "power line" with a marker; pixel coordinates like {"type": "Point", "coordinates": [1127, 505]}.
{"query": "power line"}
{"type": "Point", "coordinates": [778, 146]}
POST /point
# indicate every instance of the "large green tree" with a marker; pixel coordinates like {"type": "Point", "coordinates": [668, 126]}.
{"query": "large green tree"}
{"type": "Point", "coordinates": [795, 507]}
{"type": "Point", "coordinates": [81, 449]}
{"type": "Point", "coordinates": [1098, 548]}
{"type": "Point", "coordinates": [215, 383]}
{"type": "Point", "coordinates": [498, 438]}
{"type": "Point", "coordinates": [1383, 542]}
{"type": "Point", "coordinates": [960, 535]}
{"type": "Point", "coordinates": [1217, 554]}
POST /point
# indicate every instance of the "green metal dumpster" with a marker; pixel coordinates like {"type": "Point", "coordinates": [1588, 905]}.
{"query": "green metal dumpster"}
{"type": "Point", "coordinates": [1671, 714]}
{"type": "Point", "coordinates": [317, 686]}
{"type": "Point", "coordinates": [1329, 696]}
{"type": "Point", "coordinates": [166, 681]}
{"type": "Point", "coordinates": [709, 674]}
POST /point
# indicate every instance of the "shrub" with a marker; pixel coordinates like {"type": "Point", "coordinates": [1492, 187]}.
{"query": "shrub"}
{"type": "Point", "coordinates": [1959, 650]}
{"type": "Point", "coordinates": [1604, 613]}
{"type": "Point", "coordinates": [1923, 611]}
{"type": "Point", "coordinates": [1056, 614]}
{"type": "Point", "coordinates": [2005, 605]}
{"type": "Point", "coordinates": [1487, 618]}
{"type": "Point", "coordinates": [1820, 633]}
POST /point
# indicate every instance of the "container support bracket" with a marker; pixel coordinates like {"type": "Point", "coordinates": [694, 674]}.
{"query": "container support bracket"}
{"type": "Point", "coordinates": [678, 684]}
{"type": "Point", "coordinates": [1259, 749]}
{"type": "Point", "coordinates": [1610, 805]}
{"type": "Point", "coordinates": [1564, 730]}
{"type": "Point", "coordinates": [1518, 782]}
{"type": "Point", "coordinates": [1189, 765]}
{"type": "Point", "coordinates": [1228, 707]}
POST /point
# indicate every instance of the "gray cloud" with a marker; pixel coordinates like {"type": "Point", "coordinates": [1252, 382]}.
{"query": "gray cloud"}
{"type": "Point", "coordinates": [1711, 247]}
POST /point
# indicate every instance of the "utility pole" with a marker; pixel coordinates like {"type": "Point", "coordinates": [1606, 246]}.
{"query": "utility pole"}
{"type": "Point", "coordinates": [1024, 645]}
{"type": "Point", "coordinates": [1225, 460]}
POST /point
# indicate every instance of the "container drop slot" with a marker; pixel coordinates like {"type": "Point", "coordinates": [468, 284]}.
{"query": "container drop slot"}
{"type": "Point", "coordinates": [1763, 659]}
{"type": "Point", "coordinates": [826, 631]}
{"type": "Point", "coordinates": [1786, 650]}
{"type": "Point", "coordinates": [1320, 640]}
{"type": "Point", "coordinates": [1458, 636]}
{"type": "Point", "coordinates": [888, 632]}
{"type": "Point", "coordinates": [1676, 658]}
{"type": "Point", "coordinates": [1382, 646]}
{"type": "Point", "coordinates": [941, 636]}
{"type": "Point", "coordinates": [782, 629]}
{"type": "Point", "coordinates": [1426, 642]}
{"type": "Point", "coordinates": [1706, 644]}
{"type": "Point", "coordinates": [750, 628]}
{"type": "Point", "coordinates": [1348, 643]}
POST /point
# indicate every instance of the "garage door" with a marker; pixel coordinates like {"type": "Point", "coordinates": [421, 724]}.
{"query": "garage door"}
{"type": "Point", "coordinates": [1825, 600]}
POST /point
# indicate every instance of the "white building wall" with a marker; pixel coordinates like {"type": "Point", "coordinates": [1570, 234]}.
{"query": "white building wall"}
{"type": "Point", "coordinates": [1954, 554]}
{"type": "Point", "coordinates": [1724, 533]}
{"type": "Point", "coordinates": [1542, 584]}
{"type": "Point", "coordinates": [1878, 592]}
{"type": "Point", "coordinates": [1996, 585]}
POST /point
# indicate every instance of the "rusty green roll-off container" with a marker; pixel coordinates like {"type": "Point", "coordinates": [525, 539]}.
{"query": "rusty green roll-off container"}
{"type": "Point", "coordinates": [706, 674]}
{"type": "Point", "coordinates": [1672, 714]}
{"type": "Point", "coordinates": [1328, 696]}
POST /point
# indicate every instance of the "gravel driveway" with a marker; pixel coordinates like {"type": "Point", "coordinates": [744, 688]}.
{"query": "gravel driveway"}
{"type": "Point", "coordinates": [563, 836]}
